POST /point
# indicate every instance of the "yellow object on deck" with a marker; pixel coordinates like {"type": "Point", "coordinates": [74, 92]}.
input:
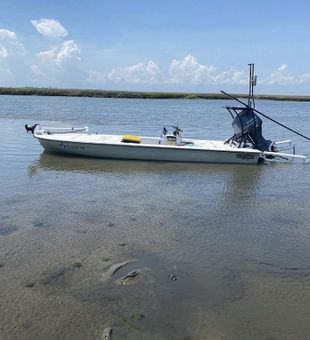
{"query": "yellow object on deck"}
{"type": "Point", "coordinates": [131, 139]}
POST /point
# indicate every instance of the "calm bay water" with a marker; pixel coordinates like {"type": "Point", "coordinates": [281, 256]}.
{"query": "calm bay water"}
{"type": "Point", "coordinates": [236, 239]}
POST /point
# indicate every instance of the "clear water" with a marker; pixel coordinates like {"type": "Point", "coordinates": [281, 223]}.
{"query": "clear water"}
{"type": "Point", "coordinates": [235, 238]}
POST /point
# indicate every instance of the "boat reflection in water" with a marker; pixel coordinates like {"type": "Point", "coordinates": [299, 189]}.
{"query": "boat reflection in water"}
{"type": "Point", "coordinates": [65, 163]}
{"type": "Point", "coordinates": [231, 177]}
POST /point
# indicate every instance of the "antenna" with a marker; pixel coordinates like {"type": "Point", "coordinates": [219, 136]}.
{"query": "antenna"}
{"type": "Point", "coordinates": [252, 83]}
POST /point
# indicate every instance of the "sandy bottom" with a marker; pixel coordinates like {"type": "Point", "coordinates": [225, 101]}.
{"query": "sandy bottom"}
{"type": "Point", "coordinates": [58, 284]}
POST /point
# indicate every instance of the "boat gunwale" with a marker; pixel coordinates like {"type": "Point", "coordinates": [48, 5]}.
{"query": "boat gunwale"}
{"type": "Point", "coordinates": [160, 146]}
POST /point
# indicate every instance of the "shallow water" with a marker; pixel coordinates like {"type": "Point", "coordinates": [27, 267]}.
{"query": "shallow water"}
{"type": "Point", "coordinates": [223, 251]}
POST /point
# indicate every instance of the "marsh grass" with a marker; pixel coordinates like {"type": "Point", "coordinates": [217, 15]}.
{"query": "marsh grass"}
{"type": "Point", "coordinates": [44, 91]}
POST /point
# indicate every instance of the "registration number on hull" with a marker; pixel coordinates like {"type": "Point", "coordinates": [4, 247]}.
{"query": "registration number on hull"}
{"type": "Point", "coordinates": [245, 155]}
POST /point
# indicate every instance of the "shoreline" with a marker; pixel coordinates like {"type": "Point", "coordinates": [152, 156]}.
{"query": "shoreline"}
{"type": "Point", "coordinates": [42, 91]}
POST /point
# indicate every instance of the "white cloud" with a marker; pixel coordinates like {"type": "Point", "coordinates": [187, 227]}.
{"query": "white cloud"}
{"type": "Point", "coordinates": [56, 64]}
{"type": "Point", "coordinates": [57, 55]}
{"type": "Point", "coordinates": [50, 28]}
{"type": "Point", "coordinates": [282, 76]}
{"type": "Point", "coordinates": [282, 68]}
{"type": "Point", "coordinates": [3, 52]}
{"type": "Point", "coordinates": [9, 44]}
{"type": "Point", "coordinates": [188, 70]}
{"type": "Point", "coordinates": [135, 74]}
{"type": "Point", "coordinates": [12, 57]}
{"type": "Point", "coordinates": [230, 77]}
{"type": "Point", "coordinates": [304, 78]}
{"type": "Point", "coordinates": [7, 34]}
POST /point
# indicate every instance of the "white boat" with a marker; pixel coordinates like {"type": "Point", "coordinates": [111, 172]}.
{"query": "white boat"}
{"type": "Point", "coordinates": [145, 148]}
{"type": "Point", "coordinates": [246, 146]}
{"type": "Point", "coordinates": [168, 147]}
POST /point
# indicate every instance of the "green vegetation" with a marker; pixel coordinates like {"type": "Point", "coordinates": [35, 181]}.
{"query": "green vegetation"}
{"type": "Point", "coordinates": [42, 91]}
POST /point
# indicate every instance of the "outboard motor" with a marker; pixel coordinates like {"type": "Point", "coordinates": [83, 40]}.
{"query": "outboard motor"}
{"type": "Point", "coordinates": [246, 123]}
{"type": "Point", "coordinates": [248, 130]}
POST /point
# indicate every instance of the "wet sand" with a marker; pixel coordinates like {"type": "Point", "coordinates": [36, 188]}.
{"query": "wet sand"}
{"type": "Point", "coordinates": [53, 286]}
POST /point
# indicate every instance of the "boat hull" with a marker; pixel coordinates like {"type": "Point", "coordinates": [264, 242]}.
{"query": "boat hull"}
{"type": "Point", "coordinates": [150, 152]}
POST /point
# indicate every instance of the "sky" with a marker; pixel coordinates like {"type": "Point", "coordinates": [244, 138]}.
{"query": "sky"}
{"type": "Point", "coordinates": [176, 46]}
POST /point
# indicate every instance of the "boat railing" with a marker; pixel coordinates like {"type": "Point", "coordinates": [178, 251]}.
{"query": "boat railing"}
{"type": "Point", "coordinates": [54, 130]}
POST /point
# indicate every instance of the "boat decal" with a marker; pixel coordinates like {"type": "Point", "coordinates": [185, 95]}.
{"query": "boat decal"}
{"type": "Point", "coordinates": [245, 155]}
{"type": "Point", "coordinates": [64, 146]}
